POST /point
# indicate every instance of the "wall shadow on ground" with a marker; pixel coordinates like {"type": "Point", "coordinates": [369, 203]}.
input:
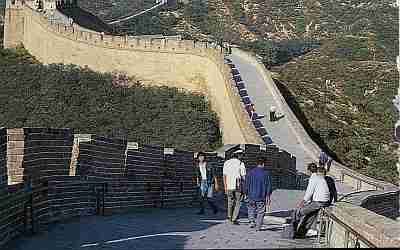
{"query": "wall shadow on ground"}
{"type": "Point", "coordinates": [147, 229]}
{"type": "Point", "coordinates": [295, 107]}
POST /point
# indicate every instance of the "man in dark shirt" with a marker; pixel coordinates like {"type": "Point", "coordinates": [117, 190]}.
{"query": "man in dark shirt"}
{"type": "Point", "coordinates": [258, 190]}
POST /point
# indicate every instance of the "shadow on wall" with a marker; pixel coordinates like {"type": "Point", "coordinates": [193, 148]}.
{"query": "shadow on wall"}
{"type": "Point", "coordinates": [295, 107]}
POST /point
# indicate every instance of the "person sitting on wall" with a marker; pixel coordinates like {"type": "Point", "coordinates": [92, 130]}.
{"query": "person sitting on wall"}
{"type": "Point", "coordinates": [333, 197]}
{"type": "Point", "coordinates": [316, 197]}
{"type": "Point", "coordinates": [275, 115]}
{"type": "Point", "coordinates": [205, 181]}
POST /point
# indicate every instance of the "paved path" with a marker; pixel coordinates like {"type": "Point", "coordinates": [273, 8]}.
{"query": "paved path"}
{"type": "Point", "coordinates": [280, 131]}
{"type": "Point", "coordinates": [157, 229]}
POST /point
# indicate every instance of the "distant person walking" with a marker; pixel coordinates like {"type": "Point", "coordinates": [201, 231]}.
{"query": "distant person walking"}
{"type": "Point", "coordinates": [316, 197]}
{"type": "Point", "coordinates": [234, 172]}
{"type": "Point", "coordinates": [205, 181]}
{"type": "Point", "coordinates": [258, 190]}
{"type": "Point", "coordinates": [325, 160]}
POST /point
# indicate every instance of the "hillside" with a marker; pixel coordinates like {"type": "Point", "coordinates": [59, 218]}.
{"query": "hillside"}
{"type": "Point", "coordinates": [33, 95]}
{"type": "Point", "coordinates": [155, 22]}
{"type": "Point", "coordinates": [308, 42]}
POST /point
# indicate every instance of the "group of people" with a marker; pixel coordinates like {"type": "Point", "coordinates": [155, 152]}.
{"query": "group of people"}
{"type": "Point", "coordinates": [274, 115]}
{"type": "Point", "coordinates": [256, 188]}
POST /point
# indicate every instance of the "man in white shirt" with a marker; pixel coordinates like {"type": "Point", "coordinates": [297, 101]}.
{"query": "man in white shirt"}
{"type": "Point", "coordinates": [234, 172]}
{"type": "Point", "coordinates": [316, 197]}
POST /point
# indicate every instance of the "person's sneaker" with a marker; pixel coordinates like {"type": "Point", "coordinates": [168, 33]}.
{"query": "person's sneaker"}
{"type": "Point", "coordinates": [252, 225]}
{"type": "Point", "coordinates": [311, 233]}
{"type": "Point", "coordinates": [235, 222]}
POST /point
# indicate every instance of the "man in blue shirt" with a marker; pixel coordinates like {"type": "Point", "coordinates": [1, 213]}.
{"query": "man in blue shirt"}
{"type": "Point", "coordinates": [258, 191]}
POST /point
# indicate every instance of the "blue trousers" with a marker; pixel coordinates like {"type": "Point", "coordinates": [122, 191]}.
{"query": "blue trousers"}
{"type": "Point", "coordinates": [256, 211]}
{"type": "Point", "coordinates": [205, 191]}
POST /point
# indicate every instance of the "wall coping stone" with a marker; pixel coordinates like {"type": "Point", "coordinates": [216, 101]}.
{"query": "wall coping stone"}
{"type": "Point", "coordinates": [377, 229]}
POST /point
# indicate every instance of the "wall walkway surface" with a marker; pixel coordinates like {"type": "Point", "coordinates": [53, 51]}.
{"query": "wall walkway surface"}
{"type": "Point", "coordinates": [350, 178]}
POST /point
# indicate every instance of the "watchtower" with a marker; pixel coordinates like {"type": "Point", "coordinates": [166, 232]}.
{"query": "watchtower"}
{"type": "Point", "coordinates": [13, 23]}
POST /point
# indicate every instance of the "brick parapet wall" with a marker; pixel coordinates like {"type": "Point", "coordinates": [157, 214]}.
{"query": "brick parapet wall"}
{"type": "Point", "coordinates": [15, 155]}
{"type": "Point", "coordinates": [3, 158]}
{"type": "Point", "coordinates": [351, 225]}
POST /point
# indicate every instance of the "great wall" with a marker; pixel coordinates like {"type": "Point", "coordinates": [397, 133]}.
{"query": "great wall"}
{"type": "Point", "coordinates": [40, 167]}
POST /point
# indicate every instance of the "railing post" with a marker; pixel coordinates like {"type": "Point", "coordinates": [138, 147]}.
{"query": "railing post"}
{"type": "Point", "coordinates": [25, 216]}
{"type": "Point", "coordinates": [104, 191]}
{"type": "Point", "coordinates": [162, 194]}
{"type": "Point", "coordinates": [346, 239]}
{"type": "Point", "coordinates": [97, 200]}
{"type": "Point", "coordinates": [31, 211]}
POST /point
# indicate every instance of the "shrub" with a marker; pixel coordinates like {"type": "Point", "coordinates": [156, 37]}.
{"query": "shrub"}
{"type": "Point", "coordinates": [33, 95]}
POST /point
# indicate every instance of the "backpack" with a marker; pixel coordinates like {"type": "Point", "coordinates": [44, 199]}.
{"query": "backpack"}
{"type": "Point", "coordinates": [240, 182]}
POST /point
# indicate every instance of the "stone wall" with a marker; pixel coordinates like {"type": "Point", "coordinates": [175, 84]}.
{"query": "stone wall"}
{"type": "Point", "coordinates": [138, 176]}
{"type": "Point", "coordinates": [47, 153]}
{"type": "Point", "coordinates": [183, 64]}
{"type": "Point", "coordinates": [11, 213]}
{"type": "Point", "coordinates": [362, 228]}
{"type": "Point", "coordinates": [13, 24]}
{"type": "Point", "coordinates": [15, 155]}
{"type": "Point", "coordinates": [3, 158]}
{"type": "Point", "coordinates": [385, 203]}
{"type": "Point", "coordinates": [119, 177]}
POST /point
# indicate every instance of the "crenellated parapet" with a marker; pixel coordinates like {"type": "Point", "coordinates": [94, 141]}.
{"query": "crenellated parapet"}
{"type": "Point", "coordinates": [75, 32]}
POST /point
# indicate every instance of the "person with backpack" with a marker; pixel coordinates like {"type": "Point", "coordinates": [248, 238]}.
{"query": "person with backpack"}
{"type": "Point", "coordinates": [316, 197]}
{"type": "Point", "coordinates": [205, 181]}
{"type": "Point", "coordinates": [333, 197]}
{"type": "Point", "coordinates": [325, 160]}
{"type": "Point", "coordinates": [234, 172]}
{"type": "Point", "coordinates": [258, 190]}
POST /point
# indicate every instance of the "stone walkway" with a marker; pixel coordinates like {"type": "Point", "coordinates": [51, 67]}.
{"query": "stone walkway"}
{"type": "Point", "coordinates": [158, 229]}
{"type": "Point", "coordinates": [280, 131]}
